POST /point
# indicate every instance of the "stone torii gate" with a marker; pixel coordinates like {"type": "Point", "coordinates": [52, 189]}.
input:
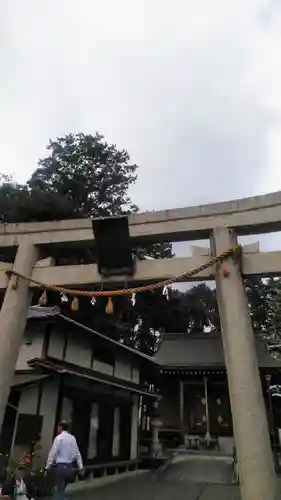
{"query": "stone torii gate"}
{"type": "Point", "coordinates": [221, 223]}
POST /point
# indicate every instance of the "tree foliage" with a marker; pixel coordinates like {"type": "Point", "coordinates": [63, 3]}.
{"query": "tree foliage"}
{"type": "Point", "coordinates": [93, 176]}
{"type": "Point", "coordinates": [84, 176]}
{"type": "Point", "coordinates": [81, 176]}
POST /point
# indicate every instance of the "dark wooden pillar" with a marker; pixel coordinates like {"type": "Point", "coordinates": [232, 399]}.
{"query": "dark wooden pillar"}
{"type": "Point", "coordinates": [181, 403]}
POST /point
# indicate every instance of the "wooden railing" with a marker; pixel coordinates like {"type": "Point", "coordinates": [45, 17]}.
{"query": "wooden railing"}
{"type": "Point", "coordinates": [110, 468]}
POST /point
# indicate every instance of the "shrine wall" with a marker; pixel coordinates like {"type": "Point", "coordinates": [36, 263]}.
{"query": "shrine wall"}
{"type": "Point", "coordinates": [102, 367]}
{"type": "Point", "coordinates": [78, 350]}
{"type": "Point", "coordinates": [29, 400]}
{"type": "Point", "coordinates": [47, 409]}
{"type": "Point", "coordinates": [40, 401]}
{"type": "Point", "coordinates": [32, 345]}
{"type": "Point", "coordinates": [122, 369]}
{"type": "Point", "coordinates": [169, 407]}
{"type": "Point", "coordinates": [60, 342]}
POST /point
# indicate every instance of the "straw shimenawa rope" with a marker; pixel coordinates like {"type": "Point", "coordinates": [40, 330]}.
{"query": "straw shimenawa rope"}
{"type": "Point", "coordinates": [234, 251]}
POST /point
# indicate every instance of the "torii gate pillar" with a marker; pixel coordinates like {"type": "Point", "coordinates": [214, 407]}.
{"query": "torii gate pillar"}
{"type": "Point", "coordinates": [255, 459]}
{"type": "Point", "coordinates": [13, 317]}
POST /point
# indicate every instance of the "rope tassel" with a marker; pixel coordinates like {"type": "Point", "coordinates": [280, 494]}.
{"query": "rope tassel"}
{"type": "Point", "coordinates": [75, 304]}
{"type": "Point", "coordinates": [221, 266]}
{"type": "Point", "coordinates": [109, 307]}
{"type": "Point", "coordinates": [224, 269]}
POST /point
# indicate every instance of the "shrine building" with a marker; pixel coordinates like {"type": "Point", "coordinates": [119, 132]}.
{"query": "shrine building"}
{"type": "Point", "coordinates": [68, 371]}
{"type": "Point", "coordinates": [194, 389]}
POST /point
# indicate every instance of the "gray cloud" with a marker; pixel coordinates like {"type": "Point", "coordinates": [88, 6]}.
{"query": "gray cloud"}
{"type": "Point", "coordinates": [192, 91]}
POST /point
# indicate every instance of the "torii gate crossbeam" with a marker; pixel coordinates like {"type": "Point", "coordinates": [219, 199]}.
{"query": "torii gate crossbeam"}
{"type": "Point", "coordinates": [219, 222]}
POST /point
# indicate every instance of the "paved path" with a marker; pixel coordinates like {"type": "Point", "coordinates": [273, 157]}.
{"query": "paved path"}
{"type": "Point", "coordinates": [201, 469]}
{"type": "Point", "coordinates": [145, 487]}
{"type": "Point", "coordinates": [149, 487]}
{"type": "Point", "coordinates": [172, 483]}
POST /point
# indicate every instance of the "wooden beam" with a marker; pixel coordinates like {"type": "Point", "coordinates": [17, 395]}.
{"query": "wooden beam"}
{"type": "Point", "coordinates": [149, 271]}
{"type": "Point", "coordinates": [260, 214]}
{"type": "Point", "coordinates": [6, 266]}
{"type": "Point", "coordinates": [204, 251]}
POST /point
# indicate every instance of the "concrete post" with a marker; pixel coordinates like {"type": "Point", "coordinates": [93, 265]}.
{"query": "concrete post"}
{"type": "Point", "coordinates": [255, 460]}
{"type": "Point", "coordinates": [208, 434]}
{"type": "Point", "coordinates": [134, 428]}
{"type": "Point", "coordinates": [156, 447]}
{"type": "Point", "coordinates": [13, 319]}
{"type": "Point", "coordinates": [116, 432]}
{"type": "Point", "coordinates": [48, 407]}
{"type": "Point", "coordinates": [181, 401]}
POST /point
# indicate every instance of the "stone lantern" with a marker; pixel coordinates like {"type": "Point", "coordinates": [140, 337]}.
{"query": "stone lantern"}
{"type": "Point", "coordinates": [156, 423]}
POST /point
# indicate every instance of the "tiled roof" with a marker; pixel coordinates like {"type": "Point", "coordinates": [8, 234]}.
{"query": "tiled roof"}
{"type": "Point", "coordinates": [203, 350]}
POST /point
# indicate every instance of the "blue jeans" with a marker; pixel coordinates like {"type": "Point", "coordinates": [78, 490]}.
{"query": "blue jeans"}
{"type": "Point", "coordinates": [63, 473]}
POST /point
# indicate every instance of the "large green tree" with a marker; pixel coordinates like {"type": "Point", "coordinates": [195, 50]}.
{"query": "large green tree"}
{"type": "Point", "coordinates": [84, 176]}
{"type": "Point", "coordinates": [92, 175]}
{"type": "Point", "coordinates": [201, 307]}
{"type": "Point", "coordinates": [272, 304]}
{"type": "Point", "coordinates": [258, 292]}
{"type": "Point", "coordinates": [81, 176]}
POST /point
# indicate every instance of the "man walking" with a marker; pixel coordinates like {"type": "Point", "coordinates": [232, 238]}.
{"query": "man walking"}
{"type": "Point", "coordinates": [65, 457]}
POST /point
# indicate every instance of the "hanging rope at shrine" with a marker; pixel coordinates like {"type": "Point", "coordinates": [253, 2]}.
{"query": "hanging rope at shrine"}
{"type": "Point", "coordinates": [235, 251]}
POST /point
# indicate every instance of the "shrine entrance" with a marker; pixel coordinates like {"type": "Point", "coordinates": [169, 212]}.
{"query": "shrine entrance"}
{"type": "Point", "coordinates": [211, 414]}
{"type": "Point", "coordinates": [225, 260]}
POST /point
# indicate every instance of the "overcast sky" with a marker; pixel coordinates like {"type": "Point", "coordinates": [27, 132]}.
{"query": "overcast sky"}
{"type": "Point", "coordinates": [191, 88]}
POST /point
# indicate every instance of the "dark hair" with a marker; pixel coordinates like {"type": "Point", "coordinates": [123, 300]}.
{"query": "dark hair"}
{"type": "Point", "coordinates": [64, 425]}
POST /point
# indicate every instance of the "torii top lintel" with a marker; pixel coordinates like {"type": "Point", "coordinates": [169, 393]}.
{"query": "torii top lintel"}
{"type": "Point", "coordinates": [256, 215]}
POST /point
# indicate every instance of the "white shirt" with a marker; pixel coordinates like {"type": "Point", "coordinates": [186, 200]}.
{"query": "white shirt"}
{"type": "Point", "coordinates": [64, 451]}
